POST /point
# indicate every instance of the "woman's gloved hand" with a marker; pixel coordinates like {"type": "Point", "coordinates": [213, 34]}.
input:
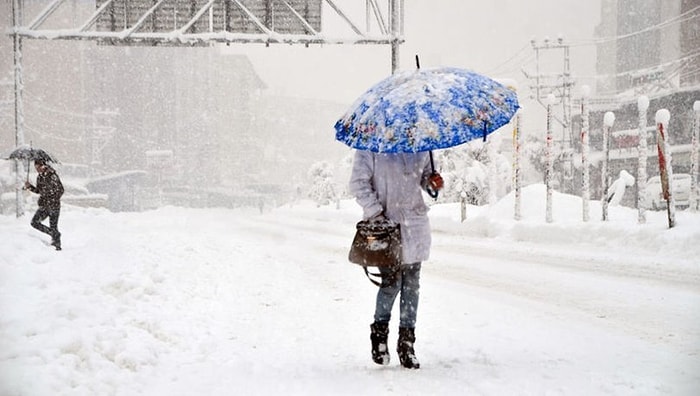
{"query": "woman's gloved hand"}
{"type": "Point", "coordinates": [435, 182]}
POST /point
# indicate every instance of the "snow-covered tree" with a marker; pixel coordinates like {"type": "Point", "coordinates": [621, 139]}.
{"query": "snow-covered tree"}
{"type": "Point", "coordinates": [322, 189]}
{"type": "Point", "coordinates": [342, 176]}
{"type": "Point", "coordinates": [534, 151]}
{"type": "Point", "coordinates": [465, 168]}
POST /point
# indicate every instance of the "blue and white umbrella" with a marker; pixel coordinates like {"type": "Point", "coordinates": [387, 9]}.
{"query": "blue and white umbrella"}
{"type": "Point", "coordinates": [426, 109]}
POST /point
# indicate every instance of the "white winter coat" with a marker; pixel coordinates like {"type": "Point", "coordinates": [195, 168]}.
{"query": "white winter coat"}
{"type": "Point", "coordinates": [393, 184]}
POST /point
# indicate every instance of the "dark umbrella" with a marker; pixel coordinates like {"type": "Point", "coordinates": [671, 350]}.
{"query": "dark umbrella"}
{"type": "Point", "coordinates": [29, 153]}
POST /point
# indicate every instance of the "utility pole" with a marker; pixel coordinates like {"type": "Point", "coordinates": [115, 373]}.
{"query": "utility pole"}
{"type": "Point", "coordinates": [560, 85]}
{"type": "Point", "coordinates": [396, 33]}
{"type": "Point", "coordinates": [19, 111]}
{"type": "Point", "coordinates": [102, 131]}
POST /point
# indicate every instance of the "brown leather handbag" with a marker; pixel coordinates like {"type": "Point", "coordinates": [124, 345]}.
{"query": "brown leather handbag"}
{"type": "Point", "coordinates": [377, 243]}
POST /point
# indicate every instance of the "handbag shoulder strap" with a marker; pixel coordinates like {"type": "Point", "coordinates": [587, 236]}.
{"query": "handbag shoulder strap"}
{"type": "Point", "coordinates": [381, 280]}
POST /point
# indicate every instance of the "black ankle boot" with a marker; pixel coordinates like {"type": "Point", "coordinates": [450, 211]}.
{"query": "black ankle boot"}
{"type": "Point", "coordinates": [407, 355]}
{"type": "Point", "coordinates": [379, 335]}
{"type": "Point", "coordinates": [56, 241]}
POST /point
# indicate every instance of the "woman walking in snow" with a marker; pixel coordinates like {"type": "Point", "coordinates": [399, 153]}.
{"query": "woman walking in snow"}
{"type": "Point", "coordinates": [390, 186]}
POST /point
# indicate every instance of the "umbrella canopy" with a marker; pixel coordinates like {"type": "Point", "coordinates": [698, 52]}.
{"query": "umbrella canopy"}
{"type": "Point", "coordinates": [426, 109]}
{"type": "Point", "coordinates": [29, 153]}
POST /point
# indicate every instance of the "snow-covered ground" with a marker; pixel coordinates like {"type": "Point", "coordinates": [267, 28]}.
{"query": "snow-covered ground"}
{"type": "Point", "coordinates": [220, 302]}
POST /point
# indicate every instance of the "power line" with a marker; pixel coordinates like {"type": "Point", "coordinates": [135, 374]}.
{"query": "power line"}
{"type": "Point", "coordinates": [646, 69]}
{"type": "Point", "coordinates": [53, 110]}
{"type": "Point", "coordinates": [496, 68]}
{"type": "Point", "coordinates": [45, 135]}
{"type": "Point", "coordinates": [689, 73]}
{"type": "Point", "coordinates": [57, 123]}
{"type": "Point", "coordinates": [677, 19]}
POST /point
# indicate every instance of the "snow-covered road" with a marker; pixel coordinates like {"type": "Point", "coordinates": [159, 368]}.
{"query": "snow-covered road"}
{"type": "Point", "coordinates": [659, 306]}
{"type": "Point", "coordinates": [212, 301]}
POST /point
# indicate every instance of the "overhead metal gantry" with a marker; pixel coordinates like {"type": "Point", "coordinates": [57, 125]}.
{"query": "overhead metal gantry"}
{"type": "Point", "coordinates": [228, 21]}
{"type": "Point", "coordinates": [201, 23]}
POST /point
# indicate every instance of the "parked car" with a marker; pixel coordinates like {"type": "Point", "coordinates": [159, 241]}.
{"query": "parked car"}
{"type": "Point", "coordinates": [77, 195]}
{"type": "Point", "coordinates": [681, 192]}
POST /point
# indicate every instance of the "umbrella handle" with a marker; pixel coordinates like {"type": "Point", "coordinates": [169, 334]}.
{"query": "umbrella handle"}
{"type": "Point", "coordinates": [433, 194]}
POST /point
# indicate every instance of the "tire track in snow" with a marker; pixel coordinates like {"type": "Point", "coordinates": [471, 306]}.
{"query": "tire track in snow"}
{"type": "Point", "coordinates": [634, 307]}
{"type": "Point", "coordinates": [603, 263]}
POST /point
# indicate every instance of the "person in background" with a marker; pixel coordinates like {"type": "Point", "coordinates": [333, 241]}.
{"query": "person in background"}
{"type": "Point", "coordinates": [50, 190]}
{"type": "Point", "coordinates": [390, 186]}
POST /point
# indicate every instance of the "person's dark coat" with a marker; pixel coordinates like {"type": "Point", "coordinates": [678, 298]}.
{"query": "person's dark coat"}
{"type": "Point", "coordinates": [49, 188]}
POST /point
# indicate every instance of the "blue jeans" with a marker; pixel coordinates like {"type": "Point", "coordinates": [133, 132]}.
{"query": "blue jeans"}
{"type": "Point", "coordinates": [408, 285]}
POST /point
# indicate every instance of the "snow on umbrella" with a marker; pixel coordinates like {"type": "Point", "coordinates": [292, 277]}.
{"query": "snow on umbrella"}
{"type": "Point", "coordinates": [29, 153]}
{"type": "Point", "coordinates": [426, 109]}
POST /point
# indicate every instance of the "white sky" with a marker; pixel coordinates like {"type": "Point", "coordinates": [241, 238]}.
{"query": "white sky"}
{"type": "Point", "coordinates": [490, 37]}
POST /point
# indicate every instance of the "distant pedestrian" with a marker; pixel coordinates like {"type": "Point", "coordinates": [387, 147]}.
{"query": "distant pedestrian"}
{"type": "Point", "coordinates": [50, 190]}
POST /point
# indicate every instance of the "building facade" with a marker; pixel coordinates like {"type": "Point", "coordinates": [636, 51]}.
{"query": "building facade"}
{"type": "Point", "coordinates": [649, 48]}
